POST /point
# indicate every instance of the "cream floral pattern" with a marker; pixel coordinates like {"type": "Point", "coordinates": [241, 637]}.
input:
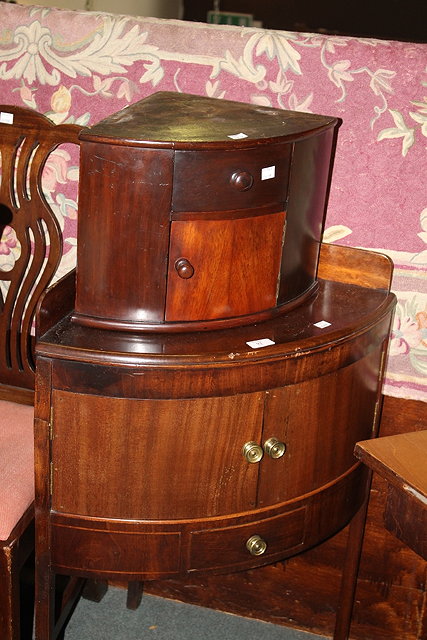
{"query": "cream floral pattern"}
{"type": "Point", "coordinates": [408, 341]}
{"type": "Point", "coordinates": [36, 56]}
{"type": "Point", "coordinates": [10, 249]}
{"type": "Point", "coordinates": [110, 51]}
{"type": "Point", "coordinates": [402, 130]}
{"type": "Point", "coordinates": [80, 67]}
{"type": "Point", "coordinates": [58, 172]}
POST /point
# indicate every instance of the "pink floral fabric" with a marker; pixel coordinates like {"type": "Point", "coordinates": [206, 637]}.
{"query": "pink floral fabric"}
{"type": "Point", "coordinates": [16, 464]}
{"type": "Point", "coordinates": [80, 67]}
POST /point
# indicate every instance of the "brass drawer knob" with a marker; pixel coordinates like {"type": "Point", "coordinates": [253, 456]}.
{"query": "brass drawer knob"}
{"type": "Point", "coordinates": [253, 452]}
{"type": "Point", "coordinates": [184, 268]}
{"type": "Point", "coordinates": [241, 180]}
{"type": "Point", "coordinates": [256, 545]}
{"type": "Point", "coordinates": [274, 448]}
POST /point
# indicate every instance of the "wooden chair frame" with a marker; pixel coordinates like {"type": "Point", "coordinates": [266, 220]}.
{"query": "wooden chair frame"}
{"type": "Point", "coordinates": [26, 141]}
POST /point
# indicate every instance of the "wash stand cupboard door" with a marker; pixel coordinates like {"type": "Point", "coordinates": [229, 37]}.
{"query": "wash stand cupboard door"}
{"type": "Point", "coordinates": [182, 458]}
{"type": "Point", "coordinates": [317, 420]}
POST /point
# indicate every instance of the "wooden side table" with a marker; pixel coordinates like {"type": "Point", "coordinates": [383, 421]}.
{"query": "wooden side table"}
{"type": "Point", "coordinates": [402, 461]}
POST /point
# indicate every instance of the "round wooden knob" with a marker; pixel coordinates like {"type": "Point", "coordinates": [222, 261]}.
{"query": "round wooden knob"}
{"type": "Point", "coordinates": [184, 268]}
{"type": "Point", "coordinates": [241, 180]}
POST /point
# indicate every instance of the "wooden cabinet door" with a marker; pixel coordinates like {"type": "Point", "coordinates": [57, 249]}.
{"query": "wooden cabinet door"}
{"type": "Point", "coordinates": [153, 459]}
{"type": "Point", "coordinates": [320, 421]}
{"type": "Point", "coordinates": [223, 268]}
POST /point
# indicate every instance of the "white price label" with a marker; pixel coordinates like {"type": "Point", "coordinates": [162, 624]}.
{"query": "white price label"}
{"type": "Point", "coordinates": [268, 172]}
{"type": "Point", "coordinates": [6, 118]}
{"type": "Point", "coordinates": [259, 344]}
{"type": "Point", "coordinates": [238, 136]}
{"type": "Point", "coordinates": [322, 324]}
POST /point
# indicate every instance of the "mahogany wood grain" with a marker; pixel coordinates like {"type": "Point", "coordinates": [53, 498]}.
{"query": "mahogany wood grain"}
{"type": "Point", "coordinates": [186, 121]}
{"type": "Point", "coordinates": [390, 598]}
{"type": "Point", "coordinates": [16, 394]}
{"type": "Point", "coordinates": [243, 258]}
{"type": "Point", "coordinates": [184, 446]}
{"type": "Point", "coordinates": [227, 181]}
{"type": "Point", "coordinates": [357, 266]}
{"type": "Point", "coordinates": [401, 461]}
{"type": "Point", "coordinates": [123, 394]}
{"type": "Point", "coordinates": [144, 415]}
{"type": "Point", "coordinates": [350, 570]}
{"type": "Point", "coordinates": [120, 186]}
{"type": "Point", "coordinates": [33, 233]}
{"type": "Point", "coordinates": [148, 170]}
{"type": "Point", "coordinates": [307, 199]}
{"type": "Point", "coordinates": [228, 349]}
{"type": "Point", "coordinates": [105, 548]}
{"type": "Point", "coordinates": [347, 397]}
{"type": "Point", "coordinates": [14, 553]}
{"type": "Point", "coordinates": [26, 144]}
{"type": "Point", "coordinates": [41, 462]}
{"type": "Point", "coordinates": [56, 302]}
{"type": "Point", "coordinates": [405, 515]}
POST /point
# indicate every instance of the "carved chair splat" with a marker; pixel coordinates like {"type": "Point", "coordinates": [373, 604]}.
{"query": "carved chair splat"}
{"type": "Point", "coordinates": [31, 247]}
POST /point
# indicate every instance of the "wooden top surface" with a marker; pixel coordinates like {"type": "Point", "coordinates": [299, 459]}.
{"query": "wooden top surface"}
{"type": "Point", "coordinates": [353, 297]}
{"type": "Point", "coordinates": [348, 310]}
{"type": "Point", "coordinates": [179, 120]}
{"type": "Point", "coordinates": [400, 459]}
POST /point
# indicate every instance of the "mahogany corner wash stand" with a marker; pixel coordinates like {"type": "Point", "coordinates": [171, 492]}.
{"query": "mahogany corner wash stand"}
{"type": "Point", "coordinates": [198, 409]}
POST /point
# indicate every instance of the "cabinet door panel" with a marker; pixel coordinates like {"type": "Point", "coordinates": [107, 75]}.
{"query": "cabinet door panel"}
{"type": "Point", "coordinates": [154, 459]}
{"type": "Point", "coordinates": [236, 267]}
{"type": "Point", "coordinates": [320, 421]}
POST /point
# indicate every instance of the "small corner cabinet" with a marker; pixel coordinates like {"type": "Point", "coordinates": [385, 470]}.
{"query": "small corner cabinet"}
{"type": "Point", "coordinates": [198, 410]}
{"type": "Point", "coordinates": [201, 211]}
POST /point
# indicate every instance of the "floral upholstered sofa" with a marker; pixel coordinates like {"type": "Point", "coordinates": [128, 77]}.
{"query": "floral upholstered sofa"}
{"type": "Point", "coordinates": [80, 67]}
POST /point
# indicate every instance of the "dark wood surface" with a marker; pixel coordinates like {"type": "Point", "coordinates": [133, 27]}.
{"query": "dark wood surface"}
{"type": "Point", "coordinates": [178, 393]}
{"type": "Point", "coordinates": [24, 208]}
{"type": "Point", "coordinates": [26, 141]}
{"type": "Point", "coordinates": [390, 598]}
{"type": "Point", "coordinates": [224, 231]}
{"type": "Point", "coordinates": [402, 461]}
{"type": "Point", "coordinates": [184, 121]}
{"type": "Point", "coordinates": [55, 303]}
{"type": "Point", "coordinates": [149, 409]}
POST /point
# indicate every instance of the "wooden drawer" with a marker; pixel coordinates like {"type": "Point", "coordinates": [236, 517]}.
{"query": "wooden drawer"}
{"type": "Point", "coordinates": [226, 547]}
{"type": "Point", "coordinates": [217, 180]}
{"type": "Point", "coordinates": [108, 552]}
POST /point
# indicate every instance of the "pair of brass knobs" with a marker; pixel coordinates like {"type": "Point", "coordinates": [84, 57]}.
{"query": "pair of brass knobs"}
{"type": "Point", "coordinates": [254, 452]}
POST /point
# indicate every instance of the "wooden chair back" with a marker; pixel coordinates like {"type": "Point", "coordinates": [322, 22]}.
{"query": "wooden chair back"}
{"type": "Point", "coordinates": [31, 243]}
{"type": "Point", "coordinates": [31, 248]}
